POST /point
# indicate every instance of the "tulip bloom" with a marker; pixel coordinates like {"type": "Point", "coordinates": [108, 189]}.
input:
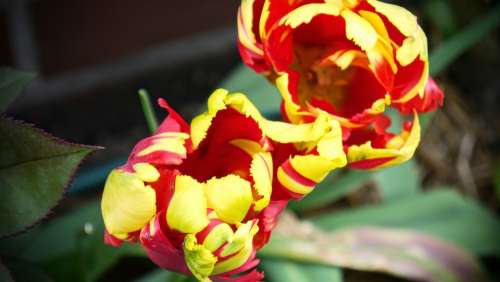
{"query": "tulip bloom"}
{"type": "Point", "coordinates": [200, 198]}
{"type": "Point", "coordinates": [350, 59]}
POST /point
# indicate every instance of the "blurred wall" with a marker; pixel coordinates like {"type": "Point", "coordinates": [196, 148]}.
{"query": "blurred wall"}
{"type": "Point", "coordinates": [69, 35]}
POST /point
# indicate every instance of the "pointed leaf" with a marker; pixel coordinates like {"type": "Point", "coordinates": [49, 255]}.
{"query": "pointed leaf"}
{"type": "Point", "coordinates": [35, 170]}
{"type": "Point", "coordinates": [401, 253]}
{"type": "Point", "coordinates": [12, 82]}
{"type": "Point", "coordinates": [22, 271]}
{"type": "Point", "coordinates": [442, 213]}
{"type": "Point", "coordinates": [71, 244]}
{"type": "Point", "coordinates": [398, 181]}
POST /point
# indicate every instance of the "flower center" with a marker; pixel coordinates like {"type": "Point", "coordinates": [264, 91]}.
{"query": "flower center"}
{"type": "Point", "coordinates": [342, 88]}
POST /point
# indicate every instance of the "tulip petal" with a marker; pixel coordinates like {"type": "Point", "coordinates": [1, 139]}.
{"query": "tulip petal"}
{"type": "Point", "coordinates": [218, 236]}
{"type": "Point", "coordinates": [230, 197]}
{"type": "Point", "coordinates": [201, 123]}
{"type": "Point", "coordinates": [304, 14]}
{"type": "Point", "coordinates": [401, 18]}
{"type": "Point", "coordinates": [359, 30]}
{"type": "Point", "coordinates": [238, 250]}
{"type": "Point", "coordinates": [160, 249]}
{"type": "Point", "coordinates": [261, 170]}
{"type": "Point", "coordinates": [127, 203]}
{"type": "Point", "coordinates": [433, 98]}
{"type": "Point", "coordinates": [330, 145]}
{"type": "Point", "coordinates": [245, 22]}
{"type": "Point", "coordinates": [267, 221]}
{"type": "Point", "coordinates": [187, 211]}
{"type": "Point", "coordinates": [199, 260]}
{"type": "Point", "coordinates": [162, 149]}
{"type": "Point", "coordinates": [146, 172]}
{"type": "Point", "coordinates": [401, 149]}
{"type": "Point", "coordinates": [278, 131]}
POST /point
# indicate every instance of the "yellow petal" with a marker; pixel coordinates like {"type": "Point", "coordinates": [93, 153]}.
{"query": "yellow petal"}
{"type": "Point", "coordinates": [359, 30]}
{"type": "Point", "coordinates": [312, 167]}
{"type": "Point", "coordinates": [261, 170]}
{"type": "Point", "coordinates": [245, 26]}
{"type": "Point", "coordinates": [291, 108]}
{"type": "Point", "coordinates": [201, 123]}
{"type": "Point", "coordinates": [127, 204]}
{"type": "Point", "coordinates": [199, 259]}
{"type": "Point", "coordinates": [187, 211]}
{"type": "Point", "coordinates": [383, 48]}
{"type": "Point", "coordinates": [409, 51]}
{"type": "Point", "coordinates": [377, 23]}
{"type": "Point", "coordinates": [230, 197]}
{"type": "Point", "coordinates": [263, 18]}
{"type": "Point", "coordinates": [330, 146]}
{"type": "Point", "coordinates": [401, 18]}
{"type": "Point", "coordinates": [146, 172]}
{"type": "Point", "coordinates": [249, 146]}
{"type": "Point", "coordinates": [304, 14]}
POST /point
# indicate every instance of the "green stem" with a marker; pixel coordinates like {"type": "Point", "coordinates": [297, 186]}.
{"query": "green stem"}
{"type": "Point", "coordinates": [147, 108]}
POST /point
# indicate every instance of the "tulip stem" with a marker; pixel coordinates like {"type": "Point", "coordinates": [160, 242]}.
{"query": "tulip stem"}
{"type": "Point", "coordinates": [147, 108]}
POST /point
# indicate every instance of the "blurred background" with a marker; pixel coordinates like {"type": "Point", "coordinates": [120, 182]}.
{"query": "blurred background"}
{"type": "Point", "coordinates": [91, 57]}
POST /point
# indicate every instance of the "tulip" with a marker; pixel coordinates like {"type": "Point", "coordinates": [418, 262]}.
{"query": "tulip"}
{"type": "Point", "coordinates": [350, 59]}
{"type": "Point", "coordinates": [201, 198]}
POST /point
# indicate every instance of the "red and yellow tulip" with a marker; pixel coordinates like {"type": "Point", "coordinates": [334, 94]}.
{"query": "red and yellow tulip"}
{"type": "Point", "coordinates": [200, 198]}
{"type": "Point", "coordinates": [349, 59]}
{"type": "Point", "coordinates": [203, 198]}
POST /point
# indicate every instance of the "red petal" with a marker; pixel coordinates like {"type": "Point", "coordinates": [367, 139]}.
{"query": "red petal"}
{"type": "Point", "coordinates": [370, 164]}
{"type": "Point", "coordinates": [433, 98]}
{"type": "Point", "coordinates": [252, 60]}
{"type": "Point", "coordinates": [267, 221]}
{"type": "Point", "coordinates": [111, 240]}
{"type": "Point", "coordinates": [174, 122]}
{"type": "Point", "coordinates": [160, 249]}
{"type": "Point", "coordinates": [253, 276]}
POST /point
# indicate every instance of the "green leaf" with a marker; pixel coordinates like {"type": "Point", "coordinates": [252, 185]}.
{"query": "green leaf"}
{"type": "Point", "coordinates": [12, 82]}
{"type": "Point", "coordinates": [398, 252]}
{"type": "Point", "coordinates": [261, 92]}
{"type": "Point", "coordinates": [398, 181]}
{"type": "Point", "coordinates": [451, 49]}
{"type": "Point", "coordinates": [22, 271]}
{"type": "Point", "coordinates": [70, 245]}
{"type": "Point", "coordinates": [35, 169]}
{"type": "Point", "coordinates": [442, 213]}
{"type": "Point", "coordinates": [281, 270]}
